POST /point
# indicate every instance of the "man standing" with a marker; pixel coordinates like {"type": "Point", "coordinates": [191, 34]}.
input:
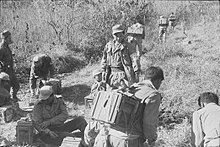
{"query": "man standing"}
{"type": "Point", "coordinates": [144, 131]}
{"type": "Point", "coordinates": [163, 24]}
{"type": "Point", "coordinates": [206, 122]}
{"type": "Point", "coordinates": [135, 34]}
{"type": "Point", "coordinates": [116, 61]}
{"type": "Point", "coordinates": [8, 64]}
{"type": "Point", "coordinates": [41, 68]}
{"type": "Point", "coordinates": [172, 20]}
{"type": "Point", "coordinates": [49, 116]}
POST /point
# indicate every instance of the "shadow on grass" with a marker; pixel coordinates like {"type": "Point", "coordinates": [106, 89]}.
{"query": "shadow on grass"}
{"type": "Point", "coordinates": [76, 93]}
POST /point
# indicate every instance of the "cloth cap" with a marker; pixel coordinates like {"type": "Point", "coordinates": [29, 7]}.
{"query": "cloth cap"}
{"type": "Point", "coordinates": [96, 72]}
{"type": "Point", "coordinates": [4, 76]}
{"type": "Point", "coordinates": [45, 92]}
{"type": "Point", "coordinates": [5, 34]}
{"type": "Point", "coordinates": [39, 57]}
{"type": "Point", "coordinates": [117, 29]}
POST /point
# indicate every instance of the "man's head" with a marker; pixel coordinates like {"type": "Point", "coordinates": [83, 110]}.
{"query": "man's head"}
{"type": "Point", "coordinates": [97, 75]}
{"type": "Point", "coordinates": [46, 94]}
{"type": "Point", "coordinates": [118, 32]}
{"type": "Point", "coordinates": [6, 36]}
{"type": "Point", "coordinates": [37, 61]}
{"type": "Point", "coordinates": [4, 79]}
{"type": "Point", "coordinates": [155, 75]}
{"type": "Point", "coordinates": [207, 97]}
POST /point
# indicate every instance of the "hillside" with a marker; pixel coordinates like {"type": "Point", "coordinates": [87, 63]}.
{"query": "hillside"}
{"type": "Point", "coordinates": [191, 64]}
{"type": "Point", "coordinates": [190, 61]}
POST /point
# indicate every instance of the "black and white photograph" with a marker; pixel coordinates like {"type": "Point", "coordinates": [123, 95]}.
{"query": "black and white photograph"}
{"type": "Point", "coordinates": [109, 73]}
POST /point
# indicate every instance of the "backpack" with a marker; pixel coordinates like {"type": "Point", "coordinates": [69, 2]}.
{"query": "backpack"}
{"type": "Point", "coordinates": [163, 22]}
{"type": "Point", "coordinates": [136, 29]}
{"type": "Point", "coordinates": [172, 18]}
{"type": "Point", "coordinates": [116, 108]}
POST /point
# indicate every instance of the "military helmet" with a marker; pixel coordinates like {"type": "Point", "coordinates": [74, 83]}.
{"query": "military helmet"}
{"type": "Point", "coordinates": [5, 34]}
{"type": "Point", "coordinates": [117, 29]}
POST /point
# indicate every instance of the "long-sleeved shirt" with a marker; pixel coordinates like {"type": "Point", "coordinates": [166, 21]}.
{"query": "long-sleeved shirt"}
{"type": "Point", "coordinates": [115, 55]}
{"type": "Point", "coordinates": [6, 56]}
{"type": "Point", "coordinates": [150, 96]}
{"type": "Point", "coordinates": [4, 96]}
{"type": "Point", "coordinates": [56, 114]}
{"type": "Point", "coordinates": [206, 126]}
{"type": "Point", "coordinates": [43, 70]}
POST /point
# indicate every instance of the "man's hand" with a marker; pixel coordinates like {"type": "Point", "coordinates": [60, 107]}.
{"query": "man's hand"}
{"type": "Point", "coordinates": [45, 124]}
{"type": "Point", "coordinates": [43, 81]}
{"type": "Point", "coordinates": [52, 134]}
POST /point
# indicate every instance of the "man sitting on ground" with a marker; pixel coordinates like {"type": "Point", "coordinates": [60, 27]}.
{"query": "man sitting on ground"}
{"type": "Point", "coordinates": [49, 116]}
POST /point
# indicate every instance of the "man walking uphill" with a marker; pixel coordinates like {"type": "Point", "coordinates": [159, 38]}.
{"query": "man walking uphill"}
{"type": "Point", "coordinates": [116, 61]}
{"type": "Point", "coordinates": [143, 131]}
{"type": "Point", "coordinates": [7, 62]}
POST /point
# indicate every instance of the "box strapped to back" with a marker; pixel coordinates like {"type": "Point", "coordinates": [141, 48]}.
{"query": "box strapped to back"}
{"type": "Point", "coordinates": [136, 29]}
{"type": "Point", "coordinates": [115, 108]}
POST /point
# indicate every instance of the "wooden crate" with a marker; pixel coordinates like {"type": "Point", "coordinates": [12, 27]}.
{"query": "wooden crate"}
{"type": "Point", "coordinates": [115, 108]}
{"type": "Point", "coordinates": [24, 133]}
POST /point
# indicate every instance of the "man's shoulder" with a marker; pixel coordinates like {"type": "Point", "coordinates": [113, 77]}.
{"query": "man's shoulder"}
{"type": "Point", "coordinates": [144, 91]}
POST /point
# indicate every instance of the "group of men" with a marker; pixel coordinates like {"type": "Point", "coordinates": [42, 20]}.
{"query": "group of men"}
{"type": "Point", "coordinates": [121, 68]}
{"type": "Point", "coordinates": [163, 25]}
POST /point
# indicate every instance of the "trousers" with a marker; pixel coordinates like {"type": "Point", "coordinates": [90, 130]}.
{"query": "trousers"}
{"type": "Point", "coordinates": [70, 126]}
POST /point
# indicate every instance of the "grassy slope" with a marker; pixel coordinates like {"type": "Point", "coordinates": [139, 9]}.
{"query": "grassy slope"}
{"type": "Point", "coordinates": [189, 69]}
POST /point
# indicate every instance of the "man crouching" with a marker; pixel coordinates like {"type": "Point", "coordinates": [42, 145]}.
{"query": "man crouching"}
{"type": "Point", "coordinates": [49, 116]}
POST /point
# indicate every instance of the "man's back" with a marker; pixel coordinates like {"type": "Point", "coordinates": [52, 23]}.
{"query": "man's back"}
{"type": "Point", "coordinates": [207, 121]}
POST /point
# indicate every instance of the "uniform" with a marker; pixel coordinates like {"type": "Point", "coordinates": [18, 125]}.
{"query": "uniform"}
{"type": "Point", "coordinates": [136, 33]}
{"type": "Point", "coordinates": [146, 127]}
{"type": "Point", "coordinates": [4, 96]}
{"type": "Point", "coordinates": [8, 65]}
{"type": "Point", "coordinates": [206, 126]}
{"type": "Point", "coordinates": [163, 24]}
{"type": "Point", "coordinates": [135, 54]}
{"type": "Point", "coordinates": [56, 115]}
{"type": "Point", "coordinates": [41, 71]}
{"type": "Point", "coordinates": [117, 58]}
{"type": "Point", "coordinates": [172, 20]}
